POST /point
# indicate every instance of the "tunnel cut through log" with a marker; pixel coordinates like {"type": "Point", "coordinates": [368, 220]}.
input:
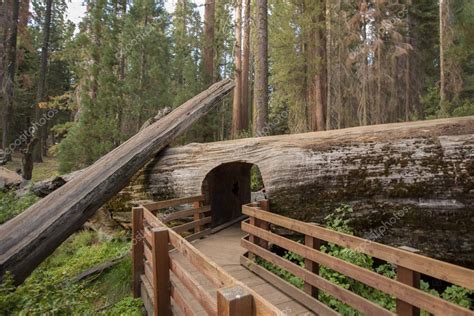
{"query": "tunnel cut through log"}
{"type": "Point", "coordinates": [226, 188]}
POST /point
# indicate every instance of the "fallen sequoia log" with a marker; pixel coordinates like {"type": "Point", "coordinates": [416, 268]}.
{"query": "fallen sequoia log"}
{"type": "Point", "coordinates": [410, 184]}
{"type": "Point", "coordinates": [26, 240]}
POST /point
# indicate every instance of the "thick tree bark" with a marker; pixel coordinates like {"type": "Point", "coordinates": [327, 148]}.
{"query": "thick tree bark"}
{"type": "Point", "coordinates": [41, 133]}
{"type": "Point", "coordinates": [26, 240]}
{"type": "Point", "coordinates": [443, 17]}
{"type": "Point", "coordinates": [425, 169]}
{"type": "Point", "coordinates": [209, 31]}
{"type": "Point", "coordinates": [237, 104]}
{"type": "Point", "coordinates": [261, 70]}
{"type": "Point", "coordinates": [246, 66]}
{"type": "Point", "coordinates": [9, 77]}
{"type": "Point", "coordinates": [317, 57]}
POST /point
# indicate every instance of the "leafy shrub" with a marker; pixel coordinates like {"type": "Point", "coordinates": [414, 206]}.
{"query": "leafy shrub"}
{"type": "Point", "coordinates": [10, 205]}
{"type": "Point", "coordinates": [465, 109]}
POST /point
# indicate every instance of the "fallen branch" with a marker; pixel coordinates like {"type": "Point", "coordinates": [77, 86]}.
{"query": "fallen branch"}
{"type": "Point", "coordinates": [99, 268]}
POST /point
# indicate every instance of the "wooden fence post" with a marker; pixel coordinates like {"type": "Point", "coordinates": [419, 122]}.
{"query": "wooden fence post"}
{"type": "Point", "coordinates": [311, 266]}
{"type": "Point", "coordinates": [197, 216]}
{"type": "Point", "coordinates": [233, 301]}
{"type": "Point", "coordinates": [411, 278]}
{"type": "Point", "coordinates": [161, 272]}
{"type": "Point", "coordinates": [137, 249]}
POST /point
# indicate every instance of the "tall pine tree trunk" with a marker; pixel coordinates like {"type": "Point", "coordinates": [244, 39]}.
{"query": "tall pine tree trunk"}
{"type": "Point", "coordinates": [3, 45]}
{"type": "Point", "coordinates": [41, 134]}
{"type": "Point", "coordinates": [261, 69]}
{"type": "Point", "coordinates": [318, 74]}
{"type": "Point", "coordinates": [329, 70]}
{"type": "Point", "coordinates": [209, 31]}
{"type": "Point", "coordinates": [122, 53]}
{"type": "Point", "coordinates": [9, 77]}
{"type": "Point", "coordinates": [246, 67]}
{"type": "Point", "coordinates": [443, 16]}
{"type": "Point", "coordinates": [237, 104]}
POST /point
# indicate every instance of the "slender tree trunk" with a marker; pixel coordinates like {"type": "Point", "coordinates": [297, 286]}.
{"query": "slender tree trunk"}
{"type": "Point", "coordinates": [3, 45]}
{"type": "Point", "coordinates": [9, 78]}
{"type": "Point", "coordinates": [122, 53]}
{"type": "Point", "coordinates": [237, 104]}
{"type": "Point", "coordinates": [318, 81]}
{"type": "Point", "coordinates": [209, 33]}
{"type": "Point", "coordinates": [378, 97]}
{"type": "Point", "coordinates": [143, 63]}
{"type": "Point", "coordinates": [246, 67]}
{"type": "Point", "coordinates": [121, 74]}
{"type": "Point", "coordinates": [40, 95]}
{"type": "Point", "coordinates": [338, 76]}
{"type": "Point", "coordinates": [261, 69]}
{"type": "Point", "coordinates": [443, 16]}
{"type": "Point", "coordinates": [329, 66]}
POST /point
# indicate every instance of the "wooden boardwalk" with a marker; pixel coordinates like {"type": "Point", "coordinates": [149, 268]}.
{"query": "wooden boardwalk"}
{"type": "Point", "coordinates": [212, 276]}
{"type": "Point", "coordinates": [225, 250]}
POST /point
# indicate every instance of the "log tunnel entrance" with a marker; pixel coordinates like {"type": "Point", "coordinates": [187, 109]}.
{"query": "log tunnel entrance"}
{"type": "Point", "coordinates": [227, 187]}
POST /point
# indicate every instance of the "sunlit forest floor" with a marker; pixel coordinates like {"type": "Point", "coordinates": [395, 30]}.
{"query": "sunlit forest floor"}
{"type": "Point", "coordinates": [41, 171]}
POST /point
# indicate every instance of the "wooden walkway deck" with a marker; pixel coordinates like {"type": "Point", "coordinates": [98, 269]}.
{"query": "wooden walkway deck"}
{"type": "Point", "coordinates": [225, 250]}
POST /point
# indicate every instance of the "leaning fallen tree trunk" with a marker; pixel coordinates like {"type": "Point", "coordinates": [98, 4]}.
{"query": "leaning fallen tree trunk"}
{"type": "Point", "coordinates": [45, 187]}
{"type": "Point", "coordinates": [424, 170]}
{"type": "Point", "coordinates": [29, 238]}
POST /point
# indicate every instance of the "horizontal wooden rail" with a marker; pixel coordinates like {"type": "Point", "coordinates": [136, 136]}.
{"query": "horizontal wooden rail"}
{"type": "Point", "coordinates": [174, 202]}
{"type": "Point", "coordinates": [198, 292]}
{"type": "Point", "coordinates": [185, 213]}
{"type": "Point", "coordinates": [180, 301]}
{"type": "Point", "coordinates": [289, 289]}
{"type": "Point", "coordinates": [185, 227]}
{"type": "Point", "coordinates": [346, 296]}
{"type": "Point", "coordinates": [438, 269]}
{"type": "Point", "coordinates": [217, 275]}
{"type": "Point", "coordinates": [406, 292]}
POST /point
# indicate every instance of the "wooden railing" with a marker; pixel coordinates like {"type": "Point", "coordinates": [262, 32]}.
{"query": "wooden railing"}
{"type": "Point", "coordinates": [405, 288]}
{"type": "Point", "coordinates": [193, 217]}
{"type": "Point", "coordinates": [160, 279]}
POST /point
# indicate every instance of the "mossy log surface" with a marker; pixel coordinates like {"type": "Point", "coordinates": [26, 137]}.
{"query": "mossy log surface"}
{"type": "Point", "coordinates": [409, 184]}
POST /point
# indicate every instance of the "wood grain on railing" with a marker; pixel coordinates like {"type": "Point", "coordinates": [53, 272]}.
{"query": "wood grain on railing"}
{"type": "Point", "coordinates": [185, 213]}
{"type": "Point", "coordinates": [198, 292]}
{"type": "Point", "coordinates": [438, 269]}
{"type": "Point", "coordinates": [192, 225]}
{"type": "Point", "coordinates": [404, 288]}
{"type": "Point", "coordinates": [214, 273]}
{"type": "Point", "coordinates": [180, 301]}
{"type": "Point", "coordinates": [217, 275]}
{"type": "Point", "coordinates": [346, 296]}
{"type": "Point", "coordinates": [160, 267]}
{"type": "Point", "coordinates": [174, 202]}
{"type": "Point", "coordinates": [137, 249]}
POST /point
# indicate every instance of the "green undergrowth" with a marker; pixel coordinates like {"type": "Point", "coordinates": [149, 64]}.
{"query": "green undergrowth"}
{"type": "Point", "coordinates": [50, 290]}
{"type": "Point", "coordinates": [337, 221]}
{"type": "Point", "coordinates": [10, 205]}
